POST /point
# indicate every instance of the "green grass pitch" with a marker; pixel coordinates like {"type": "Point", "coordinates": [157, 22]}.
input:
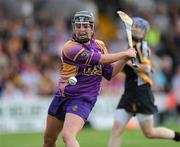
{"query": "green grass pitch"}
{"type": "Point", "coordinates": [87, 138]}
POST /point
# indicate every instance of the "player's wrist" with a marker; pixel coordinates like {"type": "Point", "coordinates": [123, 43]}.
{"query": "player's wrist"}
{"type": "Point", "coordinates": [126, 55]}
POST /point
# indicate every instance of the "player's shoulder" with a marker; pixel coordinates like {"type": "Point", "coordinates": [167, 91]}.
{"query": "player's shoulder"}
{"type": "Point", "coordinates": [102, 45]}
{"type": "Point", "coordinates": [100, 42]}
{"type": "Point", "coordinates": [72, 48]}
{"type": "Point", "coordinates": [70, 44]}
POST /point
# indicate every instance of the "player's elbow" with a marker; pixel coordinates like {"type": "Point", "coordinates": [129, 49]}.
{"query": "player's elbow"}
{"type": "Point", "coordinates": [147, 68]}
{"type": "Point", "coordinates": [103, 60]}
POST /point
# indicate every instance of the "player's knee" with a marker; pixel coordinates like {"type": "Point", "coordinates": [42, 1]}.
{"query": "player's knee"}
{"type": "Point", "coordinates": [49, 140]}
{"type": "Point", "coordinates": [116, 132]}
{"type": "Point", "coordinates": [66, 136]}
{"type": "Point", "coordinates": [149, 134]}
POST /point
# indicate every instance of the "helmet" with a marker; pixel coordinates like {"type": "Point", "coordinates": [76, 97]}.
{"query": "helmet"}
{"type": "Point", "coordinates": [83, 16]}
{"type": "Point", "coordinates": [80, 18]}
{"type": "Point", "coordinates": [142, 25]}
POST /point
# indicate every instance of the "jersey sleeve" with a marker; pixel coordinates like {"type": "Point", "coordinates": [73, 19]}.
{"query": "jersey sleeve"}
{"type": "Point", "coordinates": [80, 55]}
{"type": "Point", "coordinates": [107, 71]}
{"type": "Point", "coordinates": [107, 68]}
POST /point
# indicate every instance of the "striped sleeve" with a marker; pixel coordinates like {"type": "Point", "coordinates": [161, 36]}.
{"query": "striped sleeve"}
{"type": "Point", "coordinates": [76, 53]}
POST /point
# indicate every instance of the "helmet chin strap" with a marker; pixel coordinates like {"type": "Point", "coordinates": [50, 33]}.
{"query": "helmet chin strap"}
{"type": "Point", "coordinates": [85, 40]}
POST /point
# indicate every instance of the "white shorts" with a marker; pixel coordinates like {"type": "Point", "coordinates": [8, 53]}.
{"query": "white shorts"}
{"type": "Point", "coordinates": [122, 116]}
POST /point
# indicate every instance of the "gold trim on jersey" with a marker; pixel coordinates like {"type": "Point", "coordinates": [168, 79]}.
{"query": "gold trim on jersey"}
{"type": "Point", "coordinates": [81, 50]}
{"type": "Point", "coordinates": [102, 46]}
{"type": "Point", "coordinates": [146, 61]}
{"type": "Point", "coordinates": [145, 77]}
{"type": "Point", "coordinates": [68, 48]}
{"type": "Point", "coordinates": [89, 59]}
{"type": "Point", "coordinates": [143, 60]}
{"type": "Point", "coordinates": [68, 70]}
{"type": "Point", "coordinates": [140, 54]}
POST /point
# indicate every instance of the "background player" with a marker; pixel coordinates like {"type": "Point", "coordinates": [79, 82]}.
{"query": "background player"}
{"type": "Point", "coordinates": [86, 59]}
{"type": "Point", "coordinates": [137, 99]}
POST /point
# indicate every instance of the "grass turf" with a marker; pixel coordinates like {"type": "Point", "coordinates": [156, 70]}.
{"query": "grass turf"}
{"type": "Point", "coordinates": [87, 138]}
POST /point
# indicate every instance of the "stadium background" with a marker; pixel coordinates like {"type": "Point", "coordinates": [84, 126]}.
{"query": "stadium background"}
{"type": "Point", "coordinates": [32, 32]}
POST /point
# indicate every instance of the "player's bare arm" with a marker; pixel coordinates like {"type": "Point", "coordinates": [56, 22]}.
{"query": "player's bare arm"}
{"type": "Point", "coordinates": [124, 55]}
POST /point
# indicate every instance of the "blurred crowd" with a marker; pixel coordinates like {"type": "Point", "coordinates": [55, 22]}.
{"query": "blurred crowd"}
{"type": "Point", "coordinates": [33, 32]}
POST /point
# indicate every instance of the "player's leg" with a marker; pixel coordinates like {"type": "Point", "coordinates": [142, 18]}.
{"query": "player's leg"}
{"type": "Point", "coordinates": [72, 125]}
{"type": "Point", "coordinates": [147, 126]}
{"type": "Point", "coordinates": [178, 113]}
{"type": "Point", "coordinates": [53, 128]}
{"type": "Point", "coordinates": [77, 112]}
{"type": "Point", "coordinates": [121, 119]}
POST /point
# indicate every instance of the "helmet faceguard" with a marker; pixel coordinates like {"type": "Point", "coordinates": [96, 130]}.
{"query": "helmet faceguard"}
{"type": "Point", "coordinates": [83, 18]}
{"type": "Point", "coordinates": [139, 28]}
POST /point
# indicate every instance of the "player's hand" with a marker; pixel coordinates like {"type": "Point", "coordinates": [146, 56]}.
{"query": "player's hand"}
{"type": "Point", "coordinates": [131, 53]}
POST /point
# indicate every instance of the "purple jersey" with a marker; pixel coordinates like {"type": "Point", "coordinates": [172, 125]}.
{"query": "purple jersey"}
{"type": "Point", "coordinates": [82, 62]}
